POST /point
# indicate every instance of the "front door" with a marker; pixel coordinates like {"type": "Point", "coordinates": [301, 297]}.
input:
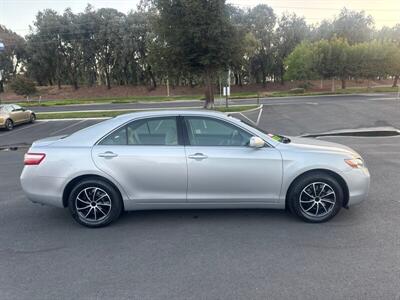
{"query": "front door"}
{"type": "Point", "coordinates": [147, 159]}
{"type": "Point", "coordinates": [222, 168]}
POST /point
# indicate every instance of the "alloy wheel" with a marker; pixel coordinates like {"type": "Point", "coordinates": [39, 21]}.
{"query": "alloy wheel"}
{"type": "Point", "coordinates": [93, 204]}
{"type": "Point", "coordinates": [317, 200]}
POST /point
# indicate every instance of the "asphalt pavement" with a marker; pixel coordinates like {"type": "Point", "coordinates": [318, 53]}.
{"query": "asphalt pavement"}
{"type": "Point", "coordinates": [213, 254]}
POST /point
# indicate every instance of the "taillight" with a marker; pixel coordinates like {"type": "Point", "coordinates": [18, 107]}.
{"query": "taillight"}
{"type": "Point", "coordinates": [33, 159]}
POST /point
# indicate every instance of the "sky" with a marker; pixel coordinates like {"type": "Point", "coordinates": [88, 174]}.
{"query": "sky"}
{"type": "Point", "coordinates": [17, 15]}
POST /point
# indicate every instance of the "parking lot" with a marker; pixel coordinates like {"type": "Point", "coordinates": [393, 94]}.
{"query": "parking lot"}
{"type": "Point", "coordinates": [212, 254]}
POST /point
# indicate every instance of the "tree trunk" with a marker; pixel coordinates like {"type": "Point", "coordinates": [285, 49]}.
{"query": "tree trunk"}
{"type": "Point", "coordinates": [282, 72]}
{"type": "Point", "coordinates": [76, 84]}
{"type": "Point", "coordinates": [343, 84]}
{"type": "Point", "coordinates": [236, 78]}
{"type": "Point", "coordinates": [322, 84]}
{"type": "Point", "coordinates": [333, 85]}
{"type": "Point", "coordinates": [1, 86]}
{"type": "Point", "coordinates": [168, 87]}
{"type": "Point", "coordinates": [153, 79]}
{"type": "Point", "coordinates": [108, 81]}
{"type": "Point", "coordinates": [396, 80]}
{"type": "Point", "coordinates": [264, 79]}
{"type": "Point", "coordinates": [209, 92]}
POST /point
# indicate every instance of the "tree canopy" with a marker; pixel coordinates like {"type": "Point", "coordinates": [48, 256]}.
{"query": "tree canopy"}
{"type": "Point", "coordinates": [196, 42]}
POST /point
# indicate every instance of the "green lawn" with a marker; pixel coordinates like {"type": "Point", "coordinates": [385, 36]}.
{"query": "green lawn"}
{"type": "Point", "coordinates": [105, 100]}
{"type": "Point", "coordinates": [114, 113]}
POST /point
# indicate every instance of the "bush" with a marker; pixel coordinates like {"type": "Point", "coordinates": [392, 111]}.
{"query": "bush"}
{"type": "Point", "coordinates": [297, 91]}
{"type": "Point", "coordinates": [22, 85]}
{"type": "Point", "coordinates": [305, 85]}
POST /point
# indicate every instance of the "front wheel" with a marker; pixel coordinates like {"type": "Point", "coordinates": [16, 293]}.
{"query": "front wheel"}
{"type": "Point", "coordinates": [316, 197]}
{"type": "Point", "coordinates": [32, 118]}
{"type": "Point", "coordinates": [94, 203]}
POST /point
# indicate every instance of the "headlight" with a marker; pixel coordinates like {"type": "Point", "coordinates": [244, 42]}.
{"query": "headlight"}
{"type": "Point", "coordinates": [355, 163]}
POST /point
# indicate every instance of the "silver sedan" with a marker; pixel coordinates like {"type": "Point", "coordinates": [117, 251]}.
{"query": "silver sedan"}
{"type": "Point", "coordinates": [190, 159]}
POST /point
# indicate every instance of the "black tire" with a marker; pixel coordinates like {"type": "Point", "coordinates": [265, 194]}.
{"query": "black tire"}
{"type": "Point", "coordinates": [9, 124]}
{"type": "Point", "coordinates": [300, 197]}
{"type": "Point", "coordinates": [98, 188]}
{"type": "Point", "coordinates": [32, 118]}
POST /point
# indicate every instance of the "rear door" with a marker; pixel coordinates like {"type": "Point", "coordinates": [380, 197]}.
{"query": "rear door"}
{"type": "Point", "coordinates": [147, 158]}
{"type": "Point", "coordinates": [222, 168]}
{"type": "Point", "coordinates": [18, 115]}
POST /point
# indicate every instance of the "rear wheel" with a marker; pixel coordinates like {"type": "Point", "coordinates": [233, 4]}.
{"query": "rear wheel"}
{"type": "Point", "coordinates": [9, 124]}
{"type": "Point", "coordinates": [94, 203]}
{"type": "Point", "coordinates": [32, 118]}
{"type": "Point", "coordinates": [316, 197]}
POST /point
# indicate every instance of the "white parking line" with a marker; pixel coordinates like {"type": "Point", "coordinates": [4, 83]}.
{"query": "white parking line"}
{"type": "Point", "coordinates": [68, 127]}
{"type": "Point", "coordinates": [37, 123]}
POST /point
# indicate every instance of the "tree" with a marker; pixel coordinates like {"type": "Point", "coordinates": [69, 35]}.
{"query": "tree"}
{"type": "Point", "coordinates": [261, 21]}
{"type": "Point", "coordinates": [392, 35]}
{"type": "Point", "coordinates": [330, 60]}
{"type": "Point", "coordinates": [198, 35]}
{"type": "Point", "coordinates": [108, 41]}
{"type": "Point", "coordinates": [355, 27]}
{"type": "Point", "coordinates": [22, 85]}
{"type": "Point", "coordinates": [291, 31]}
{"type": "Point", "coordinates": [13, 56]}
{"type": "Point", "coordinates": [299, 64]}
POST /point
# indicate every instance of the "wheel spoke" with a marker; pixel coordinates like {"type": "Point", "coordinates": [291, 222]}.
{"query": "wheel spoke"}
{"type": "Point", "coordinates": [321, 190]}
{"type": "Point", "coordinates": [310, 207]}
{"type": "Point", "coordinates": [101, 210]}
{"type": "Point", "coordinates": [315, 192]}
{"type": "Point", "coordinates": [95, 215]}
{"type": "Point", "coordinates": [328, 200]}
{"type": "Point", "coordinates": [87, 196]}
{"type": "Point", "coordinates": [330, 193]}
{"type": "Point", "coordinates": [94, 194]}
{"type": "Point", "coordinates": [82, 208]}
{"type": "Point", "coordinates": [101, 197]}
{"type": "Point", "coordinates": [79, 199]}
{"type": "Point", "coordinates": [316, 212]}
{"type": "Point", "coordinates": [104, 204]}
{"type": "Point", "coordinates": [88, 212]}
{"type": "Point", "coordinates": [308, 194]}
{"type": "Point", "coordinates": [323, 206]}
{"type": "Point", "coordinates": [307, 201]}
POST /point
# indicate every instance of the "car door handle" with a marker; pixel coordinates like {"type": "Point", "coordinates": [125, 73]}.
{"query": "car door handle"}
{"type": "Point", "coordinates": [108, 154]}
{"type": "Point", "coordinates": [198, 156]}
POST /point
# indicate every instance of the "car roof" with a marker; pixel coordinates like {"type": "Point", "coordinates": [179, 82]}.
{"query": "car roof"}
{"type": "Point", "coordinates": [169, 112]}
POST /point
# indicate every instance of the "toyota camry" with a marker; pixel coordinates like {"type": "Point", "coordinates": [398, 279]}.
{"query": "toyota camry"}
{"type": "Point", "coordinates": [190, 160]}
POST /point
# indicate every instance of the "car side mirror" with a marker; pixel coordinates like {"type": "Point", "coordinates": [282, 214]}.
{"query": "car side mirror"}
{"type": "Point", "coordinates": [256, 142]}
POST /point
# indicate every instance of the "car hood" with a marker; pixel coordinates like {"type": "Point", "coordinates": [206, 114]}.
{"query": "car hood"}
{"type": "Point", "coordinates": [315, 145]}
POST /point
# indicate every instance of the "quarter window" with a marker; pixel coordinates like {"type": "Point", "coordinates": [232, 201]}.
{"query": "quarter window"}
{"type": "Point", "coordinates": [212, 132]}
